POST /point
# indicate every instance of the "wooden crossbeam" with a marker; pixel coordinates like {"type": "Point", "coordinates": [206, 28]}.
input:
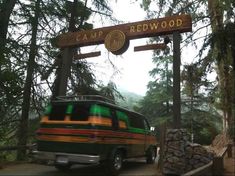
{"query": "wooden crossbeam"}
{"type": "Point", "coordinates": [140, 29]}
{"type": "Point", "coordinates": [87, 55]}
{"type": "Point", "coordinates": [161, 46]}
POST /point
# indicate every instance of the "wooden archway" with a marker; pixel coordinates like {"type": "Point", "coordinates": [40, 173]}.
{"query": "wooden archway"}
{"type": "Point", "coordinates": [116, 40]}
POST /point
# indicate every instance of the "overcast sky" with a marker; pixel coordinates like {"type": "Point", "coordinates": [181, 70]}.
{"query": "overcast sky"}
{"type": "Point", "coordinates": [131, 68]}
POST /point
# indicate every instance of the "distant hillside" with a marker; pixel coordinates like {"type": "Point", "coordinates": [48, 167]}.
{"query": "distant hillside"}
{"type": "Point", "coordinates": [130, 99]}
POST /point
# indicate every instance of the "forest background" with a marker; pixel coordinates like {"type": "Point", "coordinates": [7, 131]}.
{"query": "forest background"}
{"type": "Point", "coordinates": [29, 65]}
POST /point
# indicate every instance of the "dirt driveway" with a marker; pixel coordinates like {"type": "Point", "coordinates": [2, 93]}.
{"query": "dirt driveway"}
{"type": "Point", "coordinates": [131, 168]}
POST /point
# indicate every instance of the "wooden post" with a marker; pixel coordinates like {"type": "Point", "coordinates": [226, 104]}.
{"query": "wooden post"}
{"type": "Point", "coordinates": [230, 150]}
{"type": "Point", "coordinates": [218, 165]}
{"type": "Point", "coordinates": [67, 55]}
{"type": "Point", "coordinates": [176, 80]}
{"type": "Point", "coordinates": [162, 145]}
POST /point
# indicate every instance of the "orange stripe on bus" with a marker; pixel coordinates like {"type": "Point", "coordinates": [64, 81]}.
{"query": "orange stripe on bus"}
{"type": "Point", "coordinates": [62, 138]}
{"type": "Point", "coordinates": [88, 140]}
{"type": "Point", "coordinates": [96, 120]}
{"type": "Point", "coordinates": [96, 132]}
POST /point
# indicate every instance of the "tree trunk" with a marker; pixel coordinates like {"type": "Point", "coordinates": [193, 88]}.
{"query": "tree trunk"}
{"type": "Point", "coordinates": [233, 115]}
{"type": "Point", "coordinates": [223, 60]}
{"type": "Point", "coordinates": [7, 7]}
{"type": "Point", "coordinates": [233, 112]}
{"type": "Point", "coordinates": [23, 126]}
{"type": "Point", "coordinates": [167, 88]}
{"type": "Point", "coordinates": [64, 70]}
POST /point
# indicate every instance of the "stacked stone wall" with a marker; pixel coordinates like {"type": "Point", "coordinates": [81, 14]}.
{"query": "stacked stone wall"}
{"type": "Point", "coordinates": [196, 156]}
{"type": "Point", "coordinates": [181, 156]}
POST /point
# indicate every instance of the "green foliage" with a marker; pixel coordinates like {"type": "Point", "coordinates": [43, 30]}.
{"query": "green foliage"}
{"type": "Point", "coordinates": [213, 25]}
{"type": "Point", "coordinates": [81, 9]}
{"type": "Point", "coordinates": [103, 6]}
{"type": "Point", "coordinates": [54, 18]}
{"type": "Point", "coordinates": [34, 125]}
{"type": "Point", "coordinates": [192, 75]}
{"type": "Point", "coordinates": [157, 103]}
{"type": "Point", "coordinates": [145, 4]}
{"type": "Point", "coordinates": [82, 79]}
{"type": "Point", "coordinates": [204, 123]}
{"type": "Point", "coordinates": [110, 91]}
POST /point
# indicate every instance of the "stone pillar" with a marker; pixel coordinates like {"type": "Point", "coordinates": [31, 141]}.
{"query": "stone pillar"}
{"type": "Point", "coordinates": [174, 162]}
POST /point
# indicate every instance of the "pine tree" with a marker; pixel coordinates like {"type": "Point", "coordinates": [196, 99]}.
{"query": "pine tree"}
{"type": "Point", "coordinates": [210, 19]}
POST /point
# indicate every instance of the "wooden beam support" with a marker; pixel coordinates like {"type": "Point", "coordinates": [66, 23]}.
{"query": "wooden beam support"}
{"type": "Point", "coordinates": [161, 46]}
{"type": "Point", "coordinates": [87, 55]}
{"type": "Point", "coordinates": [176, 81]}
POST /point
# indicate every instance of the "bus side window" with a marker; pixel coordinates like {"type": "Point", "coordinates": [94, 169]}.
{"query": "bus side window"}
{"type": "Point", "coordinates": [136, 122]}
{"type": "Point", "coordinates": [80, 112]}
{"type": "Point", "coordinates": [58, 112]}
{"type": "Point", "coordinates": [123, 119]}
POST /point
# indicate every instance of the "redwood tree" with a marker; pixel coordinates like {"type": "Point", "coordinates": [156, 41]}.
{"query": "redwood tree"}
{"type": "Point", "coordinates": [23, 127]}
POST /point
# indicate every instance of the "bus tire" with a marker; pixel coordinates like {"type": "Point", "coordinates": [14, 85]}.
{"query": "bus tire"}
{"type": "Point", "coordinates": [114, 164]}
{"type": "Point", "coordinates": [151, 155]}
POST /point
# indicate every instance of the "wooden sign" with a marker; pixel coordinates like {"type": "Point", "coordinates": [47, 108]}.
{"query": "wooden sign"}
{"type": "Point", "coordinates": [118, 40]}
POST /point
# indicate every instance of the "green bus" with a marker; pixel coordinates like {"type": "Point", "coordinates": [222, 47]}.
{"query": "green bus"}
{"type": "Point", "coordinates": [92, 130]}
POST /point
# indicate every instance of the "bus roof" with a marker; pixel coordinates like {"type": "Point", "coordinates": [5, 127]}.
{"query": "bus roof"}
{"type": "Point", "coordinates": [92, 99]}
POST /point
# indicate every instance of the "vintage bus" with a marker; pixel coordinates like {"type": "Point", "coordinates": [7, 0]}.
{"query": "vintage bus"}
{"type": "Point", "coordinates": [91, 130]}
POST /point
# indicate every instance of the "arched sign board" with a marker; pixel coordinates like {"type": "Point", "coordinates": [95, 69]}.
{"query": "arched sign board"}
{"type": "Point", "coordinates": [116, 38]}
